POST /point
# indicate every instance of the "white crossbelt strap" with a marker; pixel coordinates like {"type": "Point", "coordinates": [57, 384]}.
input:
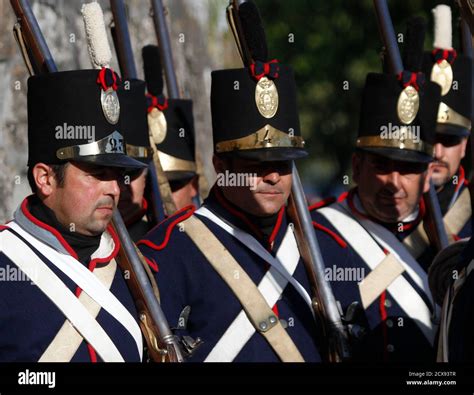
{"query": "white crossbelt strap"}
{"type": "Point", "coordinates": [271, 287]}
{"type": "Point", "coordinates": [89, 283]}
{"type": "Point", "coordinates": [251, 243]}
{"type": "Point", "coordinates": [366, 247]}
{"type": "Point", "coordinates": [68, 340]}
{"type": "Point", "coordinates": [60, 295]}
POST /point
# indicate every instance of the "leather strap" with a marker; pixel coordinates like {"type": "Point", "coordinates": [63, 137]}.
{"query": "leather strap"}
{"type": "Point", "coordinates": [454, 220]}
{"type": "Point", "coordinates": [68, 340]}
{"type": "Point", "coordinates": [258, 311]}
{"type": "Point", "coordinates": [379, 279]}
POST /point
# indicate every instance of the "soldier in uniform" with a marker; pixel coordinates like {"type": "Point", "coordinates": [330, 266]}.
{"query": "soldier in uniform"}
{"type": "Point", "coordinates": [60, 245]}
{"type": "Point", "coordinates": [133, 204]}
{"type": "Point", "coordinates": [230, 273]}
{"type": "Point", "coordinates": [175, 140]}
{"type": "Point", "coordinates": [362, 235]}
{"type": "Point", "coordinates": [446, 67]}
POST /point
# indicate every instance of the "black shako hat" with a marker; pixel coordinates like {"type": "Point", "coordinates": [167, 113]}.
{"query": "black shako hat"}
{"type": "Point", "coordinates": [76, 116]}
{"type": "Point", "coordinates": [174, 136]}
{"type": "Point", "coordinates": [398, 112]}
{"type": "Point", "coordinates": [453, 72]}
{"type": "Point", "coordinates": [254, 109]}
{"type": "Point", "coordinates": [134, 120]}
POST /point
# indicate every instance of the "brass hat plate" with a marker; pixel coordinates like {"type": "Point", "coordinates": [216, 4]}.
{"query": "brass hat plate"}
{"type": "Point", "coordinates": [110, 105]}
{"type": "Point", "coordinates": [157, 125]}
{"type": "Point", "coordinates": [266, 97]}
{"type": "Point", "coordinates": [442, 74]}
{"type": "Point", "coordinates": [408, 105]}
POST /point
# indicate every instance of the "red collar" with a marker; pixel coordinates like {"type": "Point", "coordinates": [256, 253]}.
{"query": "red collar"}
{"type": "Point", "coordinates": [462, 178]}
{"type": "Point", "coordinates": [64, 243]}
{"type": "Point", "coordinates": [242, 216]}
{"type": "Point", "coordinates": [392, 227]}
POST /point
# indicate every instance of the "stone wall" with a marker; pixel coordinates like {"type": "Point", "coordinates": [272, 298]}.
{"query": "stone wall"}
{"type": "Point", "coordinates": [200, 40]}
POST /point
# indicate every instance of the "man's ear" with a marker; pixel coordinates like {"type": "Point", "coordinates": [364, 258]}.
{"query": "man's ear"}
{"type": "Point", "coordinates": [219, 164]}
{"type": "Point", "coordinates": [463, 146]}
{"type": "Point", "coordinates": [356, 166]}
{"type": "Point", "coordinates": [195, 186]}
{"type": "Point", "coordinates": [426, 183]}
{"type": "Point", "coordinates": [44, 179]}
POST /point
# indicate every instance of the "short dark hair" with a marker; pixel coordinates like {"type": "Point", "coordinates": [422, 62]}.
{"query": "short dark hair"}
{"type": "Point", "coordinates": [59, 173]}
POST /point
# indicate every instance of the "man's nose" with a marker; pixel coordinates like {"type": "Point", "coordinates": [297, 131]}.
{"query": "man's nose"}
{"type": "Point", "coordinates": [271, 176]}
{"type": "Point", "coordinates": [394, 179]}
{"type": "Point", "coordinates": [439, 151]}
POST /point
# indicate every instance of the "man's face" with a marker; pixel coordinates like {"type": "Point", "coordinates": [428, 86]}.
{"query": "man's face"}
{"type": "Point", "coordinates": [389, 190]}
{"type": "Point", "coordinates": [449, 150]}
{"type": "Point", "coordinates": [131, 193]}
{"type": "Point", "coordinates": [85, 201]}
{"type": "Point", "coordinates": [268, 188]}
{"type": "Point", "coordinates": [184, 192]}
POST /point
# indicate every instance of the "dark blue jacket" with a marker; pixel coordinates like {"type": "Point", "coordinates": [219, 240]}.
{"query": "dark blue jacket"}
{"type": "Point", "coordinates": [186, 278]}
{"type": "Point", "coordinates": [391, 334]}
{"type": "Point", "coordinates": [29, 321]}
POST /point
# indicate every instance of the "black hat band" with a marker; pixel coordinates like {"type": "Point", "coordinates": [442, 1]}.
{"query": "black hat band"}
{"type": "Point", "coordinates": [266, 137]}
{"type": "Point", "coordinates": [402, 144]}
{"type": "Point", "coordinates": [111, 144]}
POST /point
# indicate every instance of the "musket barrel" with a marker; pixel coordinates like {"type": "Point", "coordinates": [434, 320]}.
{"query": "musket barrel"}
{"type": "Point", "coordinates": [142, 278]}
{"type": "Point", "coordinates": [388, 36]}
{"type": "Point", "coordinates": [161, 29]}
{"type": "Point", "coordinates": [23, 10]}
{"type": "Point", "coordinates": [125, 52]}
{"type": "Point", "coordinates": [327, 299]}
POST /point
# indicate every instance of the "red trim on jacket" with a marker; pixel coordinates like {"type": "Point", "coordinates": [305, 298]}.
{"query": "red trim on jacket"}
{"type": "Point", "coordinates": [179, 218]}
{"type": "Point", "coordinates": [339, 240]}
{"type": "Point", "coordinates": [322, 203]}
{"type": "Point", "coordinates": [462, 179]}
{"type": "Point", "coordinates": [276, 228]}
{"type": "Point", "coordinates": [342, 196]}
{"type": "Point", "coordinates": [223, 201]}
{"type": "Point", "coordinates": [383, 317]}
{"type": "Point", "coordinates": [64, 243]}
{"type": "Point", "coordinates": [92, 264]}
{"type": "Point", "coordinates": [152, 263]}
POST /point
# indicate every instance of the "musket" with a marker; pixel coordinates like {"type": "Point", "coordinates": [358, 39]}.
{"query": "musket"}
{"type": "Point", "coordinates": [158, 187]}
{"type": "Point", "coordinates": [166, 55]}
{"type": "Point", "coordinates": [436, 230]}
{"type": "Point", "coordinates": [466, 7]}
{"type": "Point", "coordinates": [152, 321]}
{"type": "Point", "coordinates": [27, 32]}
{"type": "Point", "coordinates": [162, 33]}
{"type": "Point", "coordinates": [162, 344]}
{"type": "Point", "coordinates": [323, 301]}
